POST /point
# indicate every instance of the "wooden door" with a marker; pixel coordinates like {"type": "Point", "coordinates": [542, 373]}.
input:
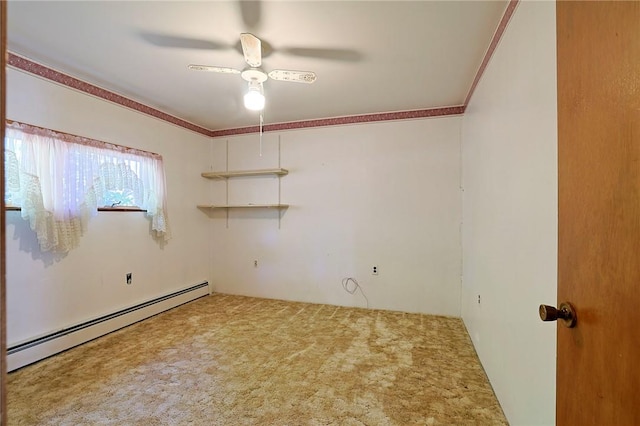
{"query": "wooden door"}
{"type": "Point", "coordinates": [598, 364]}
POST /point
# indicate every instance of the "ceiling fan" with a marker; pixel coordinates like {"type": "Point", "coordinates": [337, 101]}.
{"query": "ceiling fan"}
{"type": "Point", "coordinates": [254, 75]}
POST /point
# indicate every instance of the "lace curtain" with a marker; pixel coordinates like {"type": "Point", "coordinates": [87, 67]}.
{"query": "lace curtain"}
{"type": "Point", "coordinates": [58, 180]}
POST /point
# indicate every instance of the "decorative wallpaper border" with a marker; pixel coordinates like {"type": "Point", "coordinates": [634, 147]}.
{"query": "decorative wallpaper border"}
{"type": "Point", "coordinates": [47, 73]}
{"type": "Point", "coordinates": [74, 83]}
{"type": "Point", "coordinates": [337, 121]}
{"type": "Point", "coordinates": [502, 26]}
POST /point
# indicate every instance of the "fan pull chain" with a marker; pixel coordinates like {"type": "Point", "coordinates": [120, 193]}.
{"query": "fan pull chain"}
{"type": "Point", "coordinates": [261, 125]}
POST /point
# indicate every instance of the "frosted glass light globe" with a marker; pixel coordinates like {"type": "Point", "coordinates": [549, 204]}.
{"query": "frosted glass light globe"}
{"type": "Point", "coordinates": [254, 100]}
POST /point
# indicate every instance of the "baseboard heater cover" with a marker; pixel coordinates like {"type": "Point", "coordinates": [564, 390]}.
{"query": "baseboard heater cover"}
{"type": "Point", "coordinates": [39, 348]}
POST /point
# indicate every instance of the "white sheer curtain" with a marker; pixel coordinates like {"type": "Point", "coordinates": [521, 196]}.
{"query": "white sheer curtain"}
{"type": "Point", "coordinates": [58, 180]}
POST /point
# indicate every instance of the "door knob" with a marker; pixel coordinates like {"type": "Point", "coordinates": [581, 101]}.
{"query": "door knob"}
{"type": "Point", "coordinates": [565, 313]}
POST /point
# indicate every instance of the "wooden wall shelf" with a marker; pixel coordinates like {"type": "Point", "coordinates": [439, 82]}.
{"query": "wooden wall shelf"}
{"type": "Point", "coordinates": [226, 175]}
{"type": "Point", "coordinates": [241, 173]}
{"type": "Point", "coordinates": [244, 206]}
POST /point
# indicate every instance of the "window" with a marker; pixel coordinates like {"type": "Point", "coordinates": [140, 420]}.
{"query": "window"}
{"type": "Point", "coordinates": [59, 180]}
{"type": "Point", "coordinates": [120, 185]}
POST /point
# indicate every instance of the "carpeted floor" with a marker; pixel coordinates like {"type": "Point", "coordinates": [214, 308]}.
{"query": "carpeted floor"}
{"type": "Point", "coordinates": [231, 360]}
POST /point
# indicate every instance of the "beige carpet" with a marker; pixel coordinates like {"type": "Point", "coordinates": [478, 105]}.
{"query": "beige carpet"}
{"type": "Point", "coordinates": [230, 360]}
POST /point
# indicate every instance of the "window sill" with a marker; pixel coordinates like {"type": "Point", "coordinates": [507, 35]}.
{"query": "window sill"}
{"type": "Point", "coordinates": [100, 209]}
{"type": "Point", "coordinates": [120, 209]}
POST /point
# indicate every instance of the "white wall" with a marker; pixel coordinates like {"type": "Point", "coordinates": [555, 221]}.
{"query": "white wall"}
{"type": "Point", "coordinates": [510, 216]}
{"type": "Point", "coordinates": [384, 194]}
{"type": "Point", "coordinates": [46, 292]}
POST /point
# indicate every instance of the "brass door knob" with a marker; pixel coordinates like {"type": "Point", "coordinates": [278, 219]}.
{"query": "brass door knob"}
{"type": "Point", "coordinates": [565, 313]}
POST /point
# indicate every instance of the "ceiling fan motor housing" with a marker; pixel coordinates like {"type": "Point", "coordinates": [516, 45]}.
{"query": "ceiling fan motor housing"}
{"type": "Point", "coordinates": [254, 75]}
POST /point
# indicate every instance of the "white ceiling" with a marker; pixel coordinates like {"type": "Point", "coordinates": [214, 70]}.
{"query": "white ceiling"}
{"type": "Point", "coordinates": [369, 56]}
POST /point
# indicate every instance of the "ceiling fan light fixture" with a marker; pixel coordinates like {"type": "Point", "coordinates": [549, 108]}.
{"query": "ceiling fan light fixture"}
{"type": "Point", "coordinates": [252, 49]}
{"type": "Point", "coordinates": [254, 99]}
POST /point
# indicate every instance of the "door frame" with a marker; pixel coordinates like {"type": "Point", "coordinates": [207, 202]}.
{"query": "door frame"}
{"type": "Point", "coordinates": [3, 269]}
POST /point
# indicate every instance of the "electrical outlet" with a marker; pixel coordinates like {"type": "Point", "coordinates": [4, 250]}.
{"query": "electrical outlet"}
{"type": "Point", "coordinates": [255, 263]}
{"type": "Point", "coordinates": [374, 271]}
{"type": "Point", "coordinates": [478, 299]}
{"type": "Point", "coordinates": [129, 277]}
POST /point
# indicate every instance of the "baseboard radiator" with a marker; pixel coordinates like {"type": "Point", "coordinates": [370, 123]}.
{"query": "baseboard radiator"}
{"type": "Point", "coordinates": [28, 352]}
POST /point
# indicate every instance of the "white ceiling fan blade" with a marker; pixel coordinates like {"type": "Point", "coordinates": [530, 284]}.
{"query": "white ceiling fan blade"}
{"type": "Point", "coordinates": [297, 76]}
{"type": "Point", "coordinates": [222, 70]}
{"type": "Point", "coordinates": [252, 49]}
